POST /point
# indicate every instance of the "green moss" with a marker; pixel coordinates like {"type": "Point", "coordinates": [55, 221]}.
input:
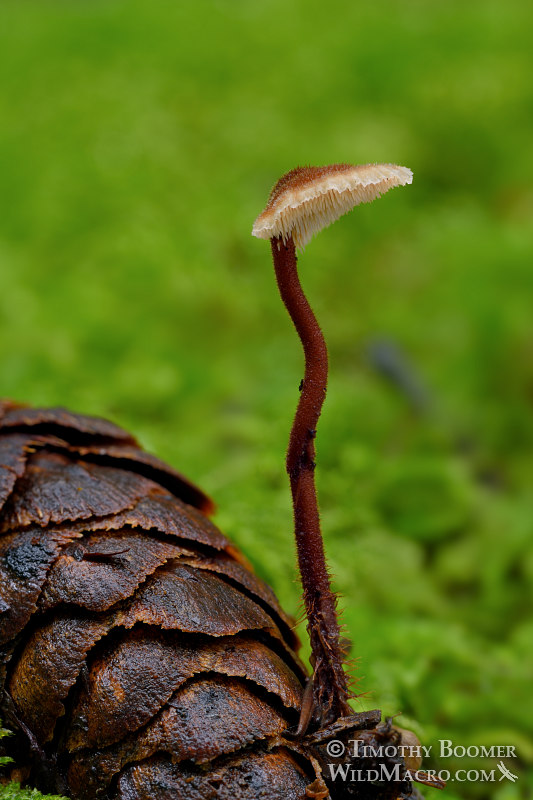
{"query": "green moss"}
{"type": "Point", "coordinates": [14, 792]}
{"type": "Point", "coordinates": [138, 143]}
{"type": "Point", "coordinates": [4, 759]}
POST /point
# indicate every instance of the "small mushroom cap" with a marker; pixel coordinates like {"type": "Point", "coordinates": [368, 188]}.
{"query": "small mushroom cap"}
{"type": "Point", "coordinates": [307, 199]}
{"type": "Point", "coordinates": [412, 753]}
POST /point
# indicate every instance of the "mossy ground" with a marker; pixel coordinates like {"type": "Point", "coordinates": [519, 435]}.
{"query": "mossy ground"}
{"type": "Point", "coordinates": [14, 792]}
{"type": "Point", "coordinates": [138, 143]}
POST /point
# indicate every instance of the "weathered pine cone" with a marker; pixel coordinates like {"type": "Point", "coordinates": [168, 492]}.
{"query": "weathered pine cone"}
{"type": "Point", "coordinates": [140, 656]}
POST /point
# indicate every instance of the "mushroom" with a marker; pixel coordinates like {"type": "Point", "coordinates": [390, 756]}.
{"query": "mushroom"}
{"type": "Point", "coordinates": [307, 199]}
{"type": "Point", "coordinates": [302, 202]}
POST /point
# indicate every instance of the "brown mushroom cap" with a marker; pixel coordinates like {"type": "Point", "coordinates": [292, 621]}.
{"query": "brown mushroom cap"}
{"type": "Point", "coordinates": [307, 199]}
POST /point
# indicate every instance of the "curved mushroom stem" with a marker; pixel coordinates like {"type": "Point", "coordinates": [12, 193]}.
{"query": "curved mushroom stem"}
{"type": "Point", "coordinates": [330, 690]}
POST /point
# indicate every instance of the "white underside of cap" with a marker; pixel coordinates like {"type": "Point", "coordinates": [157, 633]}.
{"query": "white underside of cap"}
{"type": "Point", "coordinates": [302, 211]}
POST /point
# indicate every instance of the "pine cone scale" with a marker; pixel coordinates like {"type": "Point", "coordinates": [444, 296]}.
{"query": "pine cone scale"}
{"type": "Point", "coordinates": [134, 677]}
{"type": "Point", "coordinates": [105, 569]}
{"type": "Point", "coordinates": [58, 421]}
{"type": "Point", "coordinates": [211, 718]}
{"type": "Point", "coordinates": [48, 667]}
{"type": "Point", "coordinates": [25, 559]}
{"type": "Point", "coordinates": [55, 489]}
{"type": "Point", "coordinates": [14, 451]}
{"type": "Point", "coordinates": [241, 778]}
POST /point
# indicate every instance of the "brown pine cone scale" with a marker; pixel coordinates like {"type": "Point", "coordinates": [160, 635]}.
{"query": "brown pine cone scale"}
{"type": "Point", "coordinates": [140, 656]}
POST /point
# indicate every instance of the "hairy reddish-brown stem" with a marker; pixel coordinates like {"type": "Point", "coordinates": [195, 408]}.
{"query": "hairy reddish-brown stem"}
{"type": "Point", "coordinates": [330, 692]}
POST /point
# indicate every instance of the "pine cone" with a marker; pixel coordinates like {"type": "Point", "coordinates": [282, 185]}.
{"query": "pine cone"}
{"type": "Point", "coordinates": [140, 657]}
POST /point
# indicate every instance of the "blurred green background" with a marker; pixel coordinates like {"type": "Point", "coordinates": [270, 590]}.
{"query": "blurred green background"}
{"type": "Point", "coordinates": [138, 142]}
